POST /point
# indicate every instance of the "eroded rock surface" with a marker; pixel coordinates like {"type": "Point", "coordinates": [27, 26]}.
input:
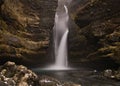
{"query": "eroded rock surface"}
{"type": "Point", "coordinates": [25, 28]}
{"type": "Point", "coordinates": [98, 35]}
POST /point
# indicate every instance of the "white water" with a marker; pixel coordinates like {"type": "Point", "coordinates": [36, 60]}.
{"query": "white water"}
{"type": "Point", "coordinates": [61, 58]}
{"type": "Point", "coordinates": [60, 37]}
{"type": "Point", "coordinates": [60, 34]}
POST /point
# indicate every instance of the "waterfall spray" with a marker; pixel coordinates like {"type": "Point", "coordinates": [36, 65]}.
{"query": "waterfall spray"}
{"type": "Point", "coordinates": [60, 35]}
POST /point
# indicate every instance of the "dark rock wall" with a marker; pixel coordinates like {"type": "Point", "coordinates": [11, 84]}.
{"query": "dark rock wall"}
{"type": "Point", "coordinates": [25, 28]}
{"type": "Point", "coordinates": [98, 35]}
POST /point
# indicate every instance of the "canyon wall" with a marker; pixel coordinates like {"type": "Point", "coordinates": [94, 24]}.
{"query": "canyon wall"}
{"type": "Point", "coordinates": [25, 29]}
{"type": "Point", "coordinates": [98, 33]}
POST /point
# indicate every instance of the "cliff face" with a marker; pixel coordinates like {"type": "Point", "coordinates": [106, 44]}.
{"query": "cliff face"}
{"type": "Point", "coordinates": [25, 28]}
{"type": "Point", "coordinates": [26, 25]}
{"type": "Point", "coordinates": [99, 29]}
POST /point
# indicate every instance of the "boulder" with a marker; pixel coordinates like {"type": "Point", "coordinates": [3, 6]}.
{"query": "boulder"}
{"type": "Point", "coordinates": [19, 75]}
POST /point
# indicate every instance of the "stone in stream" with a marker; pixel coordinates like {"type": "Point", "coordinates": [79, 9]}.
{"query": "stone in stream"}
{"type": "Point", "coordinates": [3, 84]}
{"type": "Point", "coordinates": [19, 75]}
{"type": "Point", "coordinates": [112, 74]}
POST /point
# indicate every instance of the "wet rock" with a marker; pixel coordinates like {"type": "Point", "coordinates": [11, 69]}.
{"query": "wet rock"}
{"type": "Point", "coordinates": [71, 84]}
{"type": "Point", "coordinates": [17, 75]}
{"type": "Point", "coordinates": [112, 74]}
{"type": "Point", "coordinates": [48, 81]}
{"type": "Point", "coordinates": [3, 84]}
{"type": "Point", "coordinates": [108, 72]}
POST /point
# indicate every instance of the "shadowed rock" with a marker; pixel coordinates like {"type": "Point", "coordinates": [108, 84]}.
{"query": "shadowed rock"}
{"type": "Point", "coordinates": [19, 75]}
{"type": "Point", "coordinates": [25, 28]}
{"type": "Point", "coordinates": [98, 35]}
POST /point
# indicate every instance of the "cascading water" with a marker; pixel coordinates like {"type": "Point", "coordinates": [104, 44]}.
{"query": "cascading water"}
{"type": "Point", "coordinates": [60, 37]}
{"type": "Point", "coordinates": [60, 33]}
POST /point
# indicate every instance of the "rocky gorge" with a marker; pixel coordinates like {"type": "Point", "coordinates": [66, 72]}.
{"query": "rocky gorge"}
{"type": "Point", "coordinates": [26, 30]}
{"type": "Point", "coordinates": [26, 37]}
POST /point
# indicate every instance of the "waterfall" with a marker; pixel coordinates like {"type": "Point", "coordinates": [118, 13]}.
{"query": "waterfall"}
{"type": "Point", "coordinates": [60, 32]}
{"type": "Point", "coordinates": [61, 56]}
{"type": "Point", "coordinates": [60, 38]}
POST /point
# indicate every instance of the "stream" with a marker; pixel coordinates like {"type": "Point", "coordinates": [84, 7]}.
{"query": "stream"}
{"type": "Point", "coordinates": [84, 77]}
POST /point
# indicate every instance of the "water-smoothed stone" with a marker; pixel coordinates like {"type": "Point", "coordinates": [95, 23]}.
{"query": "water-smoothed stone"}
{"type": "Point", "coordinates": [112, 74]}
{"type": "Point", "coordinates": [19, 75]}
{"type": "Point", "coordinates": [48, 81]}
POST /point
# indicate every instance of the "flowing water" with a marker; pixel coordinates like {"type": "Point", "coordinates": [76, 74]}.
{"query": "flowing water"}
{"type": "Point", "coordinates": [61, 54]}
{"type": "Point", "coordinates": [84, 76]}
{"type": "Point", "coordinates": [60, 36]}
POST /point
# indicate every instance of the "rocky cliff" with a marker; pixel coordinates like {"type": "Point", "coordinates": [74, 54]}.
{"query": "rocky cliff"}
{"type": "Point", "coordinates": [98, 34]}
{"type": "Point", "coordinates": [25, 28]}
